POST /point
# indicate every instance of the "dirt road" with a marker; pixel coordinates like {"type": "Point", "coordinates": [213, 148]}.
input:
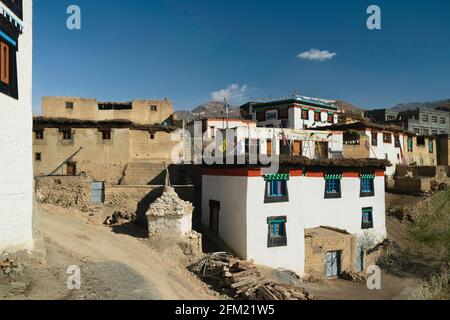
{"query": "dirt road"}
{"type": "Point", "coordinates": [112, 252]}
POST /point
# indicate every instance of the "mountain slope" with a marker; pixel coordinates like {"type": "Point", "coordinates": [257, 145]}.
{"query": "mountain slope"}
{"type": "Point", "coordinates": [209, 109]}
{"type": "Point", "coordinates": [441, 104]}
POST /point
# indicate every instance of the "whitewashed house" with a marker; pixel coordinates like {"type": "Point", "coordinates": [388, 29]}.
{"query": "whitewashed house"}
{"type": "Point", "coordinates": [296, 112]}
{"type": "Point", "coordinates": [296, 142]}
{"type": "Point", "coordinates": [274, 219]}
{"type": "Point", "coordinates": [210, 126]}
{"type": "Point", "coordinates": [16, 183]}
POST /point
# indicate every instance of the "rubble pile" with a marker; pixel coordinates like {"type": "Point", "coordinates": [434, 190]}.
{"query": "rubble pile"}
{"type": "Point", "coordinates": [244, 280]}
{"type": "Point", "coordinates": [354, 276]}
{"type": "Point", "coordinates": [10, 268]}
{"type": "Point", "coordinates": [119, 217]}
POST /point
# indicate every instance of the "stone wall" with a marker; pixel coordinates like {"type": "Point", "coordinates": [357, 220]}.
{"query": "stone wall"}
{"type": "Point", "coordinates": [358, 151]}
{"type": "Point", "coordinates": [317, 245]}
{"type": "Point", "coordinates": [65, 192]}
{"type": "Point", "coordinates": [412, 185]}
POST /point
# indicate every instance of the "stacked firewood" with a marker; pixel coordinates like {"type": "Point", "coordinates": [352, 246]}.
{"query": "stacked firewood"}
{"type": "Point", "coordinates": [244, 279]}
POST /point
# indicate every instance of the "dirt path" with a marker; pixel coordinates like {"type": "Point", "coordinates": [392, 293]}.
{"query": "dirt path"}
{"type": "Point", "coordinates": [99, 245]}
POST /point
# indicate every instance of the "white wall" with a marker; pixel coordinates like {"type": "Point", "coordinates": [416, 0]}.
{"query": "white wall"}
{"type": "Point", "coordinates": [295, 120]}
{"type": "Point", "coordinates": [292, 256]}
{"type": "Point", "coordinates": [231, 192]}
{"type": "Point", "coordinates": [343, 213]}
{"type": "Point", "coordinates": [16, 183]}
{"type": "Point", "coordinates": [382, 149]}
{"type": "Point", "coordinates": [308, 138]}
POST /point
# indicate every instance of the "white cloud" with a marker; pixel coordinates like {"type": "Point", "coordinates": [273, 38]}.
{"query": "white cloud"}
{"type": "Point", "coordinates": [233, 93]}
{"type": "Point", "coordinates": [317, 55]}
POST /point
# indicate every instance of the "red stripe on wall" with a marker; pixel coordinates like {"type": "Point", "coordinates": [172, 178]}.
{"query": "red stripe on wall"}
{"type": "Point", "coordinates": [296, 173]}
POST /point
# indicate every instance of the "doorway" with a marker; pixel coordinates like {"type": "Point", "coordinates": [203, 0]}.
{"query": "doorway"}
{"type": "Point", "coordinates": [97, 192]}
{"type": "Point", "coordinates": [297, 148]}
{"type": "Point", "coordinates": [71, 168]}
{"type": "Point", "coordinates": [214, 211]}
{"type": "Point", "coordinates": [333, 264]}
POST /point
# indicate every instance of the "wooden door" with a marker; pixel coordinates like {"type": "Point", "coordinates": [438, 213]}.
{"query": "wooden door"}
{"type": "Point", "coordinates": [297, 148]}
{"type": "Point", "coordinates": [71, 169]}
{"type": "Point", "coordinates": [214, 209]}
{"type": "Point", "coordinates": [269, 148]}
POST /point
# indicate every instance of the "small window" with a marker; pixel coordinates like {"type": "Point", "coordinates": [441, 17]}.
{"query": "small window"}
{"type": "Point", "coordinates": [261, 116]}
{"type": "Point", "coordinates": [410, 145]}
{"type": "Point", "coordinates": [317, 116]}
{"type": "Point", "coordinates": [271, 115]}
{"type": "Point", "coordinates": [430, 146]}
{"type": "Point", "coordinates": [277, 236]}
{"type": "Point", "coordinates": [425, 118]}
{"type": "Point", "coordinates": [416, 130]}
{"type": "Point", "coordinates": [330, 118]}
{"type": "Point", "coordinates": [106, 134]}
{"type": "Point", "coordinates": [374, 138]}
{"type": "Point", "coordinates": [69, 105]}
{"type": "Point", "coordinates": [4, 63]}
{"type": "Point", "coordinates": [305, 114]}
{"type": "Point", "coordinates": [38, 156]}
{"type": "Point", "coordinates": [434, 132]}
{"type": "Point", "coordinates": [67, 135]}
{"type": "Point", "coordinates": [434, 119]}
{"type": "Point", "coordinates": [421, 141]}
{"type": "Point", "coordinates": [367, 218]}
{"type": "Point", "coordinates": [152, 136]}
{"type": "Point", "coordinates": [397, 141]}
{"type": "Point", "coordinates": [367, 185]}
{"type": "Point", "coordinates": [387, 138]}
{"type": "Point", "coordinates": [442, 120]}
{"type": "Point", "coordinates": [333, 186]}
{"type": "Point", "coordinates": [154, 108]}
{"type": "Point", "coordinates": [276, 188]}
{"type": "Point", "coordinates": [39, 134]}
{"type": "Point", "coordinates": [426, 132]}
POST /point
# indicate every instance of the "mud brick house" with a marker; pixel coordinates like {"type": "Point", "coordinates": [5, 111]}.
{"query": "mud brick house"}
{"type": "Point", "coordinates": [313, 216]}
{"type": "Point", "coordinates": [137, 111]}
{"type": "Point", "coordinates": [296, 112]}
{"type": "Point", "coordinates": [16, 184]}
{"type": "Point", "coordinates": [104, 150]}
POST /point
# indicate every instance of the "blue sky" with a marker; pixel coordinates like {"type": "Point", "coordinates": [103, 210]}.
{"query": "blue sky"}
{"type": "Point", "coordinates": [194, 51]}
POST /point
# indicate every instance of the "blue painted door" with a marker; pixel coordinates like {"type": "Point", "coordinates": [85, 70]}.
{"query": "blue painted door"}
{"type": "Point", "coordinates": [97, 192]}
{"type": "Point", "coordinates": [333, 264]}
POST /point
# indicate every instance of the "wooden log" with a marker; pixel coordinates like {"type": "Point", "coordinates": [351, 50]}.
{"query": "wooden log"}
{"type": "Point", "coordinates": [243, 282]}
{"type": "Point", "coordinates": [267, 294]}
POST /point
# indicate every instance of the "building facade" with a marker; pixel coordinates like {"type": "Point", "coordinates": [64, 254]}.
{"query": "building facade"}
{"type": "Point", "coordinates": [370, 140]}
{"type": "Point", "coordinates": [381, 115]}
{"type": "Point", "coordinates": [423, 121]}
{"type": "Point", "coordinates": [273, 141]}
{"type": "Point", "coordinates": [297, 112]}
{"type": "Point", "coordinates": [443, 148]}
{"type": "Point", "coordinates": [101, 149]}
{"type": "Point", "coordinates": [16, 185]}
{"type": "Point", "coordinates": [137, 111]}
{"type": "Point", "coordinates": [268, 217]}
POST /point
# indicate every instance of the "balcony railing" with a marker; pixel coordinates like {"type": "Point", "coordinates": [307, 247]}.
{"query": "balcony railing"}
{"type": "Point", "coordinates": [15, 6]}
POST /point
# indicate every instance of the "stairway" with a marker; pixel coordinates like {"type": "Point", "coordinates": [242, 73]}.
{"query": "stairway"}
{"type": "Point", "coordinates": [144, 173]}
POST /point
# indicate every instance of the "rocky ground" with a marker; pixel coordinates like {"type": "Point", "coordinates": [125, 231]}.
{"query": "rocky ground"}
{"type": "Point", "coordinates": [113, 265]}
